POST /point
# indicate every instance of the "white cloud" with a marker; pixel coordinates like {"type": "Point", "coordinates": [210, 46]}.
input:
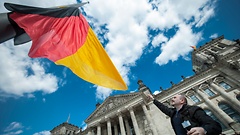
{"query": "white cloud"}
{"type": "Point", "coordinates": [156, 92]}
{"type": "Point", "coordinates": [43, 133]}
{"type": "Point", "coordinates": [132, 91]}
{"type": "Point", "coordinates": [178, 45]}
{"type": "Point", "coordinates": [18, 132]}
{"type": "Point", "coordinates": [206, 13]}
{"type": "Point", "coordinates": [215, 35]}
{"type": "Point", "coordinates": [157, 40]}
{"type": "Point", "coordinates": [13, 128]}
{"type": "Point", "coordinates": [30, 95]}
{"type": "Point", "coordinates": [20, 74]}
{"type": "Point", "coordinates": [102, 93]}
{"type": "Point", "coordinates": [163, 17]}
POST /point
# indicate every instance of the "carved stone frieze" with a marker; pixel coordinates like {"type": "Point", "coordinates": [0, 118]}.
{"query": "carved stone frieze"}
{"type": "Point", "coordinates": [113, 102]}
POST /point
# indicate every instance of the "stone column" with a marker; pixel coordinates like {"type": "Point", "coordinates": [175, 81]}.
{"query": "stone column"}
{"type": "Point", "coordinates": [115, 129]}
{"type": "Point", "coordinates": [214, 107]}
{"type": "Point", "coordinates": [99, 129]}
{"type": "Point", "coordinates": [231, 101]}
{"type": "Point", "coordinates": [149, 119]}
{"type": "Point", "coordinates": [109, 129]}
{"type": "Point", "coordinates": [121, 124]}
{"type": "Point", "coordinates": [127, 126]}
{"type": "Point", "coordinates": [134, 120]}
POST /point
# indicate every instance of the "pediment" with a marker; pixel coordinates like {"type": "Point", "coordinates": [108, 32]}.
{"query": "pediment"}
{"type": "Point", "coordinates": [111, 103]}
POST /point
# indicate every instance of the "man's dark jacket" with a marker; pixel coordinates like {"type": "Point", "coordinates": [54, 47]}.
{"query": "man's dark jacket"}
{"type": "Point", "coordinates": [195, 115]}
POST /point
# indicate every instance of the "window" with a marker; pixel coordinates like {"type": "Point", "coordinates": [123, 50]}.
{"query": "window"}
{"type": "Point", "coordinates": [225, 85]}
{"type": "Point", "coordinates": [192, 95]}
{"type": "Point", "coordinates": [209, 92]}
{"type": "Point", "coordinates": [221, 46]}
{"type": "Point", "coordinates": [194, 99]}
{"type": "Point", "coordinates": [214, 50]}
{"type": "Point", "coordinates": [230, 111]}
{"type": "Point", "coordinates": [209, 113]}
{"type": "Point", "coordinates": [238, 97]}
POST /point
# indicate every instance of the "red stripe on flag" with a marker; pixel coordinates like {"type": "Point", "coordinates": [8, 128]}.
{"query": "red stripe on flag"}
{"type": "Point", "coordinates": [53, 38]}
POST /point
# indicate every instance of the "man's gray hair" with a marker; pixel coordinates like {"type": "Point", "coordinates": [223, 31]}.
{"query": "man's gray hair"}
{"type": "Point", "coordinates": [184, 98]}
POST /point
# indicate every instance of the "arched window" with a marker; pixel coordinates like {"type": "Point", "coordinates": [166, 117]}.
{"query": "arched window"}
{"type": "Point", "coordinates": [208, 112]}
{"type": "Point", "coordinates": [225, 85]}
{"type": "Point", "coordinates": [195, 99]}
{"type": "Point", "coordinates": [230, 111]}
{"type": "Point", "coordinates": [191, 94]}
{"type": "Point", "coordinates": [209, 92]}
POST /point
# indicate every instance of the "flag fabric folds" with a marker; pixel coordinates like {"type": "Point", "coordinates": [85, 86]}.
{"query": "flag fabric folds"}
{"type": "Point", "coordinates": [9, 29]}
{"type": "Point", "coordinates": [64, 36]}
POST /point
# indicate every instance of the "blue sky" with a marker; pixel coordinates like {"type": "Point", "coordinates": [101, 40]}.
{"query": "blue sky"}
{"type": "Point", "coordinates": [145, 40]}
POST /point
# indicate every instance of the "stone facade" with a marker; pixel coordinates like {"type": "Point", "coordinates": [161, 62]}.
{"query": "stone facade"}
{"type": "Point", "coordinates": [214, 87]}
{"type": "Point", "coordinates": [125, 114]}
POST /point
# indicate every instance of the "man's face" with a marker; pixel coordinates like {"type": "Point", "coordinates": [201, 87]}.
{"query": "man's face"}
{"type": "Point", "coordinates": [177, 100]}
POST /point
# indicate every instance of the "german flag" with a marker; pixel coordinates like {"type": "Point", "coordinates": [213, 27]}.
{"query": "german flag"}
{"type": "Point", "coordinates": [64, 36]}
{"type": "Point", "coordinates": [9, 29]}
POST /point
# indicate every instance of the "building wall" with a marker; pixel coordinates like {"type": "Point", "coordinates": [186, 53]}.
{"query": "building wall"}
{"type": "Point", "coordinates": [211, 77]}
{"type": "Point", "coordinates": [215, 84]}
{"type": "Point", "coordinates": [161, 121]}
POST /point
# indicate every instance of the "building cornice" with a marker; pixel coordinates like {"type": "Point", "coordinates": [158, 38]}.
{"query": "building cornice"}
{"type": "Point", "coordinates": [188, 83]}
{"type": "Point", "coordinates": [128, 98]}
